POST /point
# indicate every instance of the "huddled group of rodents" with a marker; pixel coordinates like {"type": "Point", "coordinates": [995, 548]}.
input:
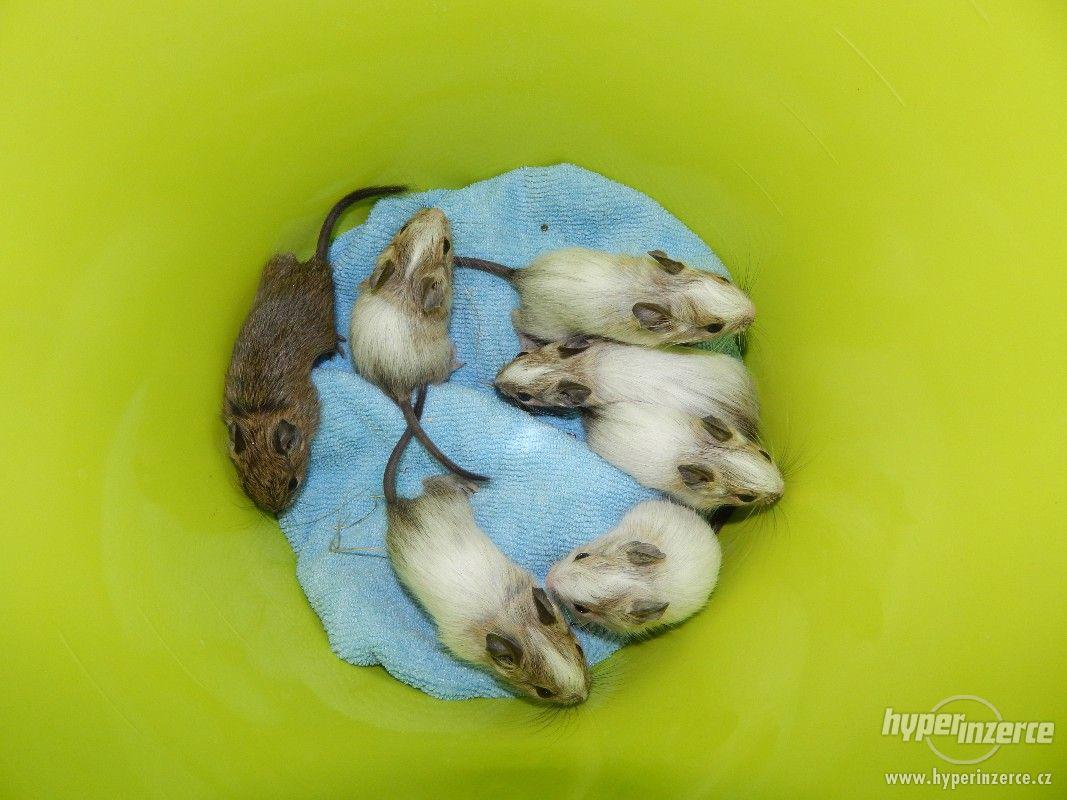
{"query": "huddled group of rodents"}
{"type": "Point", "coordinates": [600, 332]}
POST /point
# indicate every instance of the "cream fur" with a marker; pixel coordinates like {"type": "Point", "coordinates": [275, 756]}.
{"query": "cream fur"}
{"type": "Point", "coordinates": [458, 575]}
{"type": "Point", "coordinates": [608, 584]}
{"type": "Point", "coordinates": [683, 378]}
{"type": "Point", "coordinates": [393, 350]}
{"type": "Point", "coordinates": [686, 379]}
{"type": "Point", "coordinates": [469, 587]}
{"type": "Point", "coordinates": [577, 290]}
{"type": "Point", "coordinates": [396, 342]}
{"type": "Point", "coordinates": [651, 443]}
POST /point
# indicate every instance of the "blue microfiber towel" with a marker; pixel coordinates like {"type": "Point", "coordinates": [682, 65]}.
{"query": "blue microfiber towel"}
{"type": "Point", "coordinates": [547, 493]}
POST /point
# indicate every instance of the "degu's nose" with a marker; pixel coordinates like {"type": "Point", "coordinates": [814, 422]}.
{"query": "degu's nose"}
{"type": "Point", "coordinates": [432, 217]}
{"type": "Point", "coordinates": [745, 318]}
{"type": "Point", "coordinates": [576, 697]}
{"type": "Point", "coordinates": [512, 390]}
{"type": "Point", "coordinates": [550, 581]}
{"type": "Point", "coordinates": [568, 604]}
{"type": "Point", "coordinates": [271, 508]}
{"type": "Point", "coordinates": [505, 388]}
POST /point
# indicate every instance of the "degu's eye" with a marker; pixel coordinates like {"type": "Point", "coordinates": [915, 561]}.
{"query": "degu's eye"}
{"type": "Point", "coordinates": [523, 397]}
{"type": "Point", "coordinates": [766, 456]}
{"type": "Point", "coordinates": [746, 498]}
{"type": "Point", "coordinates": [447, 246]}
{"type": "Point", "coordinates": [580, 556]}
{"type": "Point", "coordinates": [580, 608]}
{"type": "Point", "coordinates": [714, 327]}
{"type": "Point", "coordinates": [293, 483]}
{"type": "Point", "coordinates": [544, 693]}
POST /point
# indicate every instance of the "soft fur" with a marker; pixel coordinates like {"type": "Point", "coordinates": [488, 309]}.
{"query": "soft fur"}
{"type": "Point", "coordinates": [679, 454]}
{"type": "Point", "coordinates": [270, 407]}
{"type": "Point", "coordinates": [576, 290]}
{"type": "Point", "coordinates": [583, 372]}
{"type": "Point", "coordinates": [474, 593]}
{"type": "Point", "coordinates": [655, 568]}
{"type": "Point", "coordinates": [398, 333]}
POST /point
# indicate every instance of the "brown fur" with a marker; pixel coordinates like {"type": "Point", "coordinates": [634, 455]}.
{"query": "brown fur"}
{"type": "Point", "coordinates": [521, 614]}
{"type": "Point", "coordinates": [270, 406]}
{"type": "Point", "coordinates": [695, 476]}
{"type": "Point", "coordinates": [290, 326]}
{"type": "Point", "coordinates": [567, 385]}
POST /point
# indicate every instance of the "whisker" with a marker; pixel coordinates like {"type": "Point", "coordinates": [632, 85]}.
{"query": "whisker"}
{"type": "Point", "coordinates": [607, 675]}
{"type": "Point", "coordinates": [741, 340]}
{"type": "Point", "coordinates": [582, 625]}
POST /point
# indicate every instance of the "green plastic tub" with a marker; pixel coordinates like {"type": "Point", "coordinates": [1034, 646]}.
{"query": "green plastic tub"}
{"type": "Point", "coordinates": [892, 174]}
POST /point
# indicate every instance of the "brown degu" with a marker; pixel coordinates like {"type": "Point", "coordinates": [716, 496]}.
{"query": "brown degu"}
{"type": "Point", "coordinates": [270, 406]}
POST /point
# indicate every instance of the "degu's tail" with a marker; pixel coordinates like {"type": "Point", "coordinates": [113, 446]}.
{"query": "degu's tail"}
{"type": "Point", "coordinates": [493, 268]}
{"type": "Point", "coordinates": [415, 427]}
{"type": "Point", "coordinates": [389, 478]}
{"type": "Point", "coordinates": [339, 208]}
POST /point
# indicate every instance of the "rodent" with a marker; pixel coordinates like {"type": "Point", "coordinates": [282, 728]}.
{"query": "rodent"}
{"type": "Point", "coordinates": [649, 299]}
{"type": "Point", "coordinates": [655, 568]}
{"type": "Point", "coordinates": [398, 332]}
{"type": "Point", "coordinates": [705, 463]}
{"type": "Point", "coordinates": [270, 406]}
{"type": "Point", "coordinates": [586, 372]}
{"type": "Point", "coordinates": [488, 611]}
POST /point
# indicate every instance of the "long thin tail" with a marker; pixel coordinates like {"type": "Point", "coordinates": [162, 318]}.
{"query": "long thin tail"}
{"type": "Point", "coordinates": [389, 478]}
{"type": "Point", "coordinates": [339, 208]}
{"type": "Point", "coordinates": [416, 427]}
{"type": "Point", "coordinates": [493, 268]}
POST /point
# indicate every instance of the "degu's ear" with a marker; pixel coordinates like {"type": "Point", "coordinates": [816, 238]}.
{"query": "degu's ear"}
{"type": "Point", "coordinates": [545, 610]}
{"type": "Point", "coordinates": [430, 293]}
{"type": "Point", "coordinates": [694, 476]}
{"type": "Point", "coordinates": [652, 316]}
{"type": "Point", "coordinates": [667, 263]}
{"type": "Point", "coordinates": [383, 271]}
{"type": "Point", "coordinates": [647, 610]}
{"type": "Point", "coordinates": [286, 436]}
{"type": "Point", "coordinates": [641, 553]}
{"type": "Point", "coordinates": [527, 344]}
{"type": "Point", "coordinates": [504, 650]}
{"type": "Point", "coordinates": [574, 344]}
{"type": "Point", "coordinates": [572, 393]}
{"type": "Point", "coordinates": [719, 430]}
{"type": "Point", "coordinates": [238, 440]}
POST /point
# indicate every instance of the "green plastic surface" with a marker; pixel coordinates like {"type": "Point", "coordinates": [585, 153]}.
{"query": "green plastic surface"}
{"type": "Point", "coordinates": [892, 174]}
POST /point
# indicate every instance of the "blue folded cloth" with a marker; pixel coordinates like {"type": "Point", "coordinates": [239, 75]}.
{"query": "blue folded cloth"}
{"type": "Point", "coordinates": [547, 493]}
